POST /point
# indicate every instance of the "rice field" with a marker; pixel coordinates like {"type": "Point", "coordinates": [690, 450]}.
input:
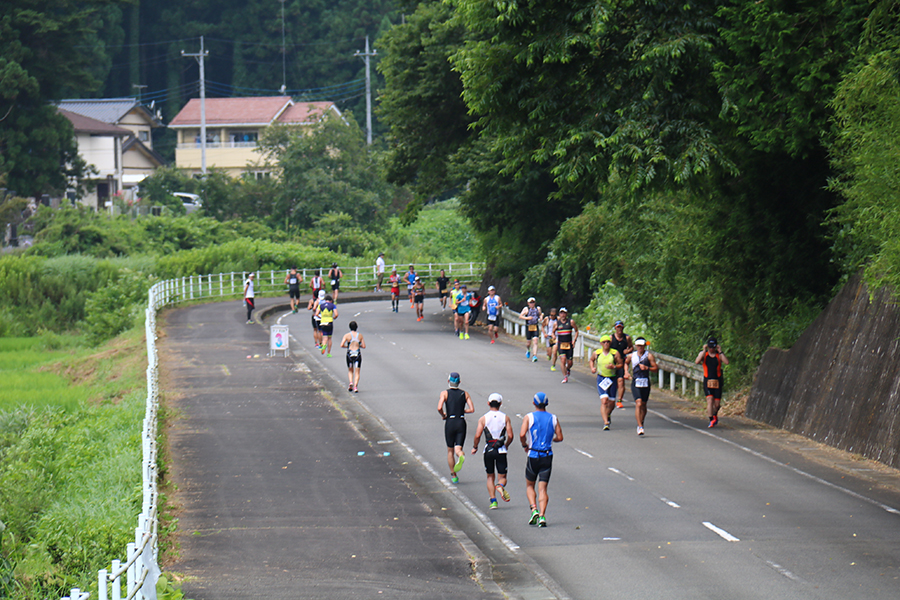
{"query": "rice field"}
{"type": "Point", "coordinates": [23, 383]}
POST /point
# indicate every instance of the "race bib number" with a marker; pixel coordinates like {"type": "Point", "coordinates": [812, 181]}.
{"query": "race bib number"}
{"type": "Point", "coordinates": [642, 382]}
{"type": "Point", "coordinates": [605, 383]}
{"type": "Point", "coordinates": [492, 317]}
{"type": "Point", "coordinates": [712, 384]}
{"type": "Point", "coordinates": [333, 282]}
{"type": "Point", "coordinates": [565, 346]}
{"type": "Point", "coordinates": [532, 328]}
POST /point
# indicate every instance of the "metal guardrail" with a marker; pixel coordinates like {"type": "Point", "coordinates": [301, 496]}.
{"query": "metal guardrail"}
{"type": "Point", "coordinates": [587, 342]}
{"type": "Point", "coordinates": [141, 566]}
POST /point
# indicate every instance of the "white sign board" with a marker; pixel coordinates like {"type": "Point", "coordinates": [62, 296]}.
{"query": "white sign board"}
{"type": "Point", "coordinates": [279, 340]}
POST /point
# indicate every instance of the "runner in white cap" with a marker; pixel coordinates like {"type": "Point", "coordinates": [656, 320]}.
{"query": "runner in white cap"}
{"type": "Point", "coordinates": [498, 431]}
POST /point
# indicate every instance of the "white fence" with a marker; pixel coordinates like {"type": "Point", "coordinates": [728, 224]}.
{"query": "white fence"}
{"type": "Point", "coordinates": [140, 569]}
{"type": "Point", "coordinates": [586, 343]}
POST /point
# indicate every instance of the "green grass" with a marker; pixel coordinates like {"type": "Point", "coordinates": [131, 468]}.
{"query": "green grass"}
{"type": "Point", "coordinates": [24, 383]}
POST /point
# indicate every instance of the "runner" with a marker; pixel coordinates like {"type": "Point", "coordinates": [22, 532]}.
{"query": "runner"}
{"type": "Point", "coordinates": [453, 405]}
{"type": "Point", "coordinates": [621, 342]}
{"type": "Point", "coordinates": [549, 326]}
{"type": "Point", "coordinates": [462, 311]}
{"type": "Point", "coordinates": [379, 272]}
{"type": "Point", "coordinates": [713, 359]}
{"type": "Point", "coordinates": [640, 366]}
{"type": "Point", "coordinates": [453, 297]}
{"type": "Point", "coordinates": [493, 304]}
{"type": "Point", "coordinates": [608, 360]}
{"type": "Point", "coordinates": [293, 281]}
{"type": "Point", "coordinates": [327, 312]}
{"type": "Point", "coordinates": [316, 284]}
{"type": "Point", "coordinates": [410, 282]}
{"type": "Point", "coordinates": [539, 430]}
{"type": "Point", "coordinates": [532, 315]}
{"type": "Point", "coordinates": [335, 275]}
{"type": "Point", "coordinates": [354, 343]}
{"type": "Point", "coordinates": [443, 293]}
{"type": "Point", "coordinates": [498, 432]}
{"type": "Point", "coordinates": [566, 335]}
{"type": "Point", "coordinates": [395, 291]}
{"type": "Point", "coordinates": [249, 297]}
{"type": "Point", "coordinates": [419, 298]}
{"type": "Point", "coordinates": [316, 319]}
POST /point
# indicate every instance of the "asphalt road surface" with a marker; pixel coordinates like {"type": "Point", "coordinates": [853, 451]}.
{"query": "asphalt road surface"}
{"type": "Point", "coordinates": [682, 512]}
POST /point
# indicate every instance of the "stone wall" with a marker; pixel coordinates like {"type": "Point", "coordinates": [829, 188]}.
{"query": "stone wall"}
{"type": "Point", "coordinates": [840, 383]}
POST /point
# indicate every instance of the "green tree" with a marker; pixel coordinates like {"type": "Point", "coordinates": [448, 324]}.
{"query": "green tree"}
{"type": "Point", "coordinates": [45, 51]}
{"type": "Point", "coordinates": [326, 168]}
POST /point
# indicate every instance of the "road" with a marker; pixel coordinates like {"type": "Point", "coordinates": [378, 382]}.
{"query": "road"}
{"type": "Point", "coordinates": [682, 512]}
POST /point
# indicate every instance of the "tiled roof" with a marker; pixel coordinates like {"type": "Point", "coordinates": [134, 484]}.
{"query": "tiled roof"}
{"type": "Point", "coordinates": [232, 111]}
{"type": "Point", "coordinates": [83, 124]}
{"type": "Point", "coordinates": [107, 110]}
{"type": "Point", "coordinates": [306, 112]}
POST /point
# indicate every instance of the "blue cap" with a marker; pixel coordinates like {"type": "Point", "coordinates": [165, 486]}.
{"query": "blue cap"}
{"type": "Point", "coordinates": [541, 399]}
{"type": "Point", "coordinates": [454, 378]}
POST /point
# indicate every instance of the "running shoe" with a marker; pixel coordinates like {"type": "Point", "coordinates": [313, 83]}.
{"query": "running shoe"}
{"type": "Point", "coordinates": [323, 349]}
{"type": "Point", "coordinates": [328, 356]}
{"type": "Point", "coordinates": [534, 358]}
{"type": "Point", "coordinates": [713, 422]}
{"type": "Point", "coordinates": [454, 479]}
{"type": "Point", "coordinates": [606, 427]}
{"type": "Point", "coordinates": [565, 379]}
{"type": "Point", "coordinates": [249, 321]}
{"type": "Point", "coordinates": [459, 463]}
{"type": "Point", "coordinates": [503, 493]}
{"type": "Point", "coordinates": [350, 388]}
{"type": "Point", "coordinates": [355, 389]}
{"type": "Point", "coordinates": [535, 515]}
{"type": "Point", "coordinates": [527, 352]}
{"type": "Point", "coordinates": [619, 405]}
{"type": "Point", "coordinates": [640, 430]}
{"type": "Point", "coordinates": [461, 336]}
{"type": "Point", "coordinates": [467, 336]}
{"type": "Point", "coordinates": [492, 341]}
{"type": "Point", "coordinates": [552, 368]}
{"type": "Point", "coordinates": [494, 504]}
{"type": "Point", "coordinates": [542, 522]}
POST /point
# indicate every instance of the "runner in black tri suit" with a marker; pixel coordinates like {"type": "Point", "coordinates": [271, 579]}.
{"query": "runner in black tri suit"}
{"type": "Point", "coordinates": [453, 404]}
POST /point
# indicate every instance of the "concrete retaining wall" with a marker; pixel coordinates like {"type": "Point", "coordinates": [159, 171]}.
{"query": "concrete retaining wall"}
{"type": "Point", "coordinates": [840, 383]}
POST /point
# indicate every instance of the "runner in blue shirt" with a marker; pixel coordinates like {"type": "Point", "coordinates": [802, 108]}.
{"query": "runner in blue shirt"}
{"type": "Point", "coordinates": [539, 430]}
{"type": "Point", "coordinates": [492, 306]}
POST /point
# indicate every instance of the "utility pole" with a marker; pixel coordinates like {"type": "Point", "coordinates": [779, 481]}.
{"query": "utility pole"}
{"type": "Point", "coordinates": [283, 53]}
{"type": "Point", "coordinates": [200, 56]}
{"type": "Point", "coordinates": [140, 89]}
{"type": "Point", "coordinates": [365, 56]}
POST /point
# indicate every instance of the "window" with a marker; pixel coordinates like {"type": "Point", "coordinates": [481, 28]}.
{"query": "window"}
{"type": "Point", "coordinates": [144, 136]}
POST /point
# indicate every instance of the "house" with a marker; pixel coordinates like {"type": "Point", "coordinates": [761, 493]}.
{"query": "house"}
{"type": "Point", "coordinates": [100, 145]}
{"type": "Point", "coordinates": [138, 158]}
{"type": "Point", "coordinates": [233, 129]}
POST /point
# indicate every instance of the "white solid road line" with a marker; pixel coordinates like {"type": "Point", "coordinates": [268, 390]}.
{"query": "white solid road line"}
{"type": "Point", "coordinates": [721, 532]}
{"type": "Point", "coordinates": [582, 452]}
{"type": "Point", "coordinates": [856, 495]}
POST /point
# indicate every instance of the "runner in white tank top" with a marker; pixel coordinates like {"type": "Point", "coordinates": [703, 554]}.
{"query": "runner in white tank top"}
{"type": "Point", "coordinates": [497, 430]}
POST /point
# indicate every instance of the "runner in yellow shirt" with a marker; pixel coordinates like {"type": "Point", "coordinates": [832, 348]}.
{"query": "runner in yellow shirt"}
{"type": "Point", "coordinates": [606, 360]}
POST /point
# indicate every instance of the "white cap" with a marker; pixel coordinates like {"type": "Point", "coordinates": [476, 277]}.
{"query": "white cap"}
{"type": "Point", "coordinates": [490, 287]}
{"type": "Point", "coordinates": [532, 299]}
{"type": "Point", "coordinates": [321, 294]}
{"type": "Point", "coordinates": [495, 397]}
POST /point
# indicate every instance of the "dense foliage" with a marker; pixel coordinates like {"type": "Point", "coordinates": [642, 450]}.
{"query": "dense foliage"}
{"type": "Point", "coordinates": [675, 149]}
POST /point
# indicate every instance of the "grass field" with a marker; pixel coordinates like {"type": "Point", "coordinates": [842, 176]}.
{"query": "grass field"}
{"type": "Point", "coordinates": [23, 381]}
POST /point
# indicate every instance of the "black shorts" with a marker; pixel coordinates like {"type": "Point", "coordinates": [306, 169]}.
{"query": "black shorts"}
{"type": "Point", "coordinates": [566, 353]}
{"type": "Point", "coordinates": [445, 293]}
{"type": "Point", "coordinates": [354, 360]}
{"type": "Point", "coordinates": [315, 324]}
{"type": "Point", "coordinates": [538, 469]}
{"type": "Point", "coordinates": [336, 285]}
{"type": "Point", "coordinates": [494, 458]}
{"type": "Point", "coordinates": [294, 293]}
{"type": "Point", "coordinates": [715, 392]}
{"type": "Point", "coordinates": [419, 299]}
{"type": "Point", "coordinates": [620, 373]}
{"type": "Point", "coordinates": [327, 330]}
{"type": "Point", "coordinates": [642, 393]}
{"type": "Point", "coordinates": [495, 322]}
{"type": "Point", "coordinates": [455, 431]}
{"type": "Point", "coordinates": [532, 334]}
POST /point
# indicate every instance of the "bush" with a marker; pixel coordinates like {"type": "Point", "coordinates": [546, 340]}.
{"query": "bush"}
{"type": "Point", "coordinates": [114, 308]}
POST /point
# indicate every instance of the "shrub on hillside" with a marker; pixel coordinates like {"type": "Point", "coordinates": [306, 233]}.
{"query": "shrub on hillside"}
{"type": "Point", "coordinates": [243, 255]}
{"type": "Point", "coordinates": [114, 308]}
